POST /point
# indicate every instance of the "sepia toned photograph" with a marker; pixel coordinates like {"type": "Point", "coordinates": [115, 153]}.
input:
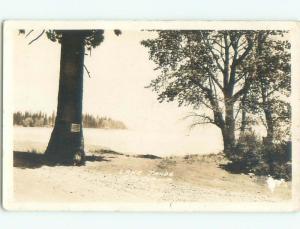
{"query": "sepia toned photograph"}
{"type": "Point", "coordinates": [150, 116]}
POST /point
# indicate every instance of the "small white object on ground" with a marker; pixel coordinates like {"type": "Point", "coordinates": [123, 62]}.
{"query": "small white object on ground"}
{"type": "Point", "coordinates": [273, 183]}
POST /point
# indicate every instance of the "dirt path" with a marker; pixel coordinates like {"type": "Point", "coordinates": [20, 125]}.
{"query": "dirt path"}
{"type": "Point", "coordinates": [113, 177]}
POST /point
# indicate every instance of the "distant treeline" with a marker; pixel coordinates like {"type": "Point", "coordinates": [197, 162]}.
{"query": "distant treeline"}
{"type": "Point", "coordinates": [40, 119]}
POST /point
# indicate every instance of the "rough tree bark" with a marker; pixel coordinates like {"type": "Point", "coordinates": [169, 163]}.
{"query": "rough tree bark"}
{"type": "Point", "coordinates": [229, 130]}
{"type": "Point", "coordinates": [66, 144]}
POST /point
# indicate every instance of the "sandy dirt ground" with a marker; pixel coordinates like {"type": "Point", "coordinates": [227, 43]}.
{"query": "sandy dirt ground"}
{"type": "Point", "coordinates": [111, 177]}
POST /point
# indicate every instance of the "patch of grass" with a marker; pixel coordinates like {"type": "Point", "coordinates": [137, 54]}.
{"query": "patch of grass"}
{"type": "Point", "coordinates": [148, 156]}
{"type": "Point", "coordinates": [166, 163]}
{"type": "Point", "coordinates": [191, 158]}
{"type": "Point", "coordinates": [108, 151]}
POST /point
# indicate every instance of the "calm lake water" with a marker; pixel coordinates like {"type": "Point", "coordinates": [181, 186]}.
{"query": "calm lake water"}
{"type": "Point", "coordinates": [202, 141]}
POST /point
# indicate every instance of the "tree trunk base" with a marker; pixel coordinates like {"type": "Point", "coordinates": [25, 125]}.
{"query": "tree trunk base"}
{"type": "Point", "coordinates": [66, 145]}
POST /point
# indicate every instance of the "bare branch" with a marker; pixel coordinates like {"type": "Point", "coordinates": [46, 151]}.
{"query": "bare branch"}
{"type": "Point", "coordinates": [36, 38]}
{"type": "Point", "coordinates": [28, 33]}
{"type": "Point", "coordinates": [193, 125]}
{"type": "Point", "coordinates": [212, 86]}
{"type": "Point", "coordinates": [226, 64]}
{"type": "Point", "coordinates": [244, 42]}
{"type": "Point", "coordinates": [241, 77]}
{"type": "Point", "coordinates": [233, 64]}
{"type": "Point", "coordinates": [242, 90]}
{"type": "Point", "coordinates": [219, 51]}
{"type": "Point", "coordinates": [204, 119]}
{"type": "Point", "coordinates": [243, 56]}
{"type": "Point", "coordinates": [219, 44]}
{"type": "Point", "coordinates": [216, 81]}
{"type": "Point", "coordinates": [237, 112]}
{"type": "Point", "coordinates": [191, 114]}
{"type": "Point", "coordinates": [87, 71]}
{"type": "Point", "coordinates": [216, 59]}
{"type": "Point", "coordinates": [206, 105]}
{"type": "Point", "coordinates": [222, 51]}
{"type": "Point", "coordinates": [209, 46]}
{"type": "Point", "coordinates": [194, 114]}
{"type": "Point", "coordinates": [240, 107]}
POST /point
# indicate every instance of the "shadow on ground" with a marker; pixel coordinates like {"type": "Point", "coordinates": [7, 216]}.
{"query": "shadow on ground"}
{"type": "Point", "coordinates": [33, 160]}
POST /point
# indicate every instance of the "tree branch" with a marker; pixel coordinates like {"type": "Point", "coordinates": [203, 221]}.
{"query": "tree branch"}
{"type": "Point", "coordinates": [87, 71]}
{"type": "Point", "coordinates": [221, 54]}
{"type": "Point", "coordinates": [219, 121]}
{"type": "Point", "coordinates": [193, 125]}
{"type": "Point", "coordinates": [233, 66]}
{"type": "Point", "coordinates": [194, 114]}
{"type": "Point", "coordinates": [248, 49]}
{"type": "Point", "coordinates": [212, 52]}
{"type": "Point", "coordinates": [204, 120]}
{"type": "Point", "coordinates": [217, 82]}
{"type": "Point", "coordinates": [219, 44]}
{"type": "Point", "coordinates": [36, 37]}
{"type": "Point", "coordinates": [244, 42]}
{"type": "Point", "coordinates": [216, 59]}
{"type": "Point", "coordinates": [241, 77]}
{"type": "Point", "coordinates": [238, 111]}
{"type": "Point", "coordinates": [241, 105]}
{"type": "Point", "coordinates": [28, 33]}
{"type": "Point", "coordinates": [226, 64]}
{"type": "Point", "coordinates": [219, 51]}
{"type": "Point", "coordinates": [242, 91]}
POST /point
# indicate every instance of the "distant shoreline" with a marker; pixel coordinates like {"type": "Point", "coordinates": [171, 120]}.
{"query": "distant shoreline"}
{"type": "Point", "coordinates": [84, 127]}
{"type": "Point", "coordinates": [40, 119]}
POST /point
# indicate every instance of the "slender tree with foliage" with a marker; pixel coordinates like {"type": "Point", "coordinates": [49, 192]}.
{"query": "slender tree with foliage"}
{"type": "Point", "coordinates": [268, 97]}
{"type": "Point", "coordinates": [270, 93]}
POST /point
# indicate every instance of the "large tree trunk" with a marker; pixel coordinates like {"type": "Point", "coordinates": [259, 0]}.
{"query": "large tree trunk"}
{"type": "Point", "coordinates": [66, 142]}
{"type": "Point", "coordinates": [228, 132]}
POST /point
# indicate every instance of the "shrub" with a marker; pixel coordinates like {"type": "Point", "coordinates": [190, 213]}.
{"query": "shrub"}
{"type": "Point", "coordinates": [251, 155]}
{"type": "Point", "coordinates": [247, 152]}
{"type": "Point", "coordinates": [279, 160]}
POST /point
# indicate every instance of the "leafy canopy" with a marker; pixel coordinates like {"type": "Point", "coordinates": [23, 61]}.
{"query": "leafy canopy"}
{"type": "Point", "coordinates": [211, 69]}
{"type": "Point", "coordinates": [92, 38]}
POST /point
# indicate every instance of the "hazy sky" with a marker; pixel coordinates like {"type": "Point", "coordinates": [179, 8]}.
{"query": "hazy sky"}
{"type": "Point", "coordinates": [119, 69]}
